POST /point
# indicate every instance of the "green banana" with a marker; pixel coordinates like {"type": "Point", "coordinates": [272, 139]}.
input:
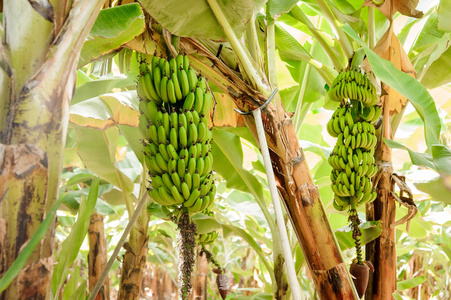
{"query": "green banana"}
{"type": "Point", "coordinates": [184, 82]}
{"type": "Point", "coordinates": [150, 88]}
{"type": "Point", "coordinates": [188, 180]}
{"type": "Point", "coordinates": [197, 205]}
{"type": "Point", "coordinates": [166, 196]}
{"type": "Point", "coordinates": [195, 181]}
{"type": "Point", "coordinates": [202, 84]}
{"type": "Point", "coordinates": [183, 137]}
{"type": "Point", "coordinates": [192, 79]}
{"type": "Point", "coordinates": [199, 102]}
{"type": "Point", "coordinates": [192, 134]}
{"type": "Point", "coordinates": [170, 91]}
{"type": "Point", "coordinates": [157, 80]}
{"type": "Point", "coordinates": [176, 195]}
{"type": "Point", "coordinates": [179, 61]}
{"type": "Point", "coordinates": [173, 138]}
{"type": "Point", "coordinates": [172, 165]}
{"type": "Point", "coordinates": [172, 153]}
{"type": "Point", "coordinates": [162, 150]}
{"type": "Point", "coordinates": [177, 145]}
{"type": "Point", "coordinates": [177, 87]}
{"type": "Point", "coordinates": [185, 190]}
{"type": "Point", "coordinates": [186, 63]}
{"type": "Point", "coordinates": [161, 162]}
{"type": "Point", "coordinates": [182, 121]}
{"type": "Point", "coordinates": [161, 134]}
{"type": "Point", "coordinates": [181, 168]}
{"type": "Point", "coordinates": [164, 89]}
{"type": "Point", "coordinates": [195, 194]}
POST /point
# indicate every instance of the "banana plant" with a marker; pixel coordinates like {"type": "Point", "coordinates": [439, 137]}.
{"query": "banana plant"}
{"type": "Point", "coordinates": [37, 89]}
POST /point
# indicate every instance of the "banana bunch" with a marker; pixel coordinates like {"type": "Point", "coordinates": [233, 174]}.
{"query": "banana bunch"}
{"type": "Point", "coordinates": [173, 83]}
{"type": "Point", "coordinates": [177, 139]}
{"type": "Point", "coordinates": [352, 158]}
{"type": "Point", "coordinates": [207, 238]}
{"type": "Point", "coordinates": [353, 85]}
{"type": "Point", "coordinates": [210, 237]}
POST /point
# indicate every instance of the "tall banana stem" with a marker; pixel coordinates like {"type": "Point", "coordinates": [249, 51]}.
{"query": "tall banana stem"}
{"type": "Point", "coordinates": [339, 63]}
{"type": "Point", "coordinates": [271, 52]}
{"type": "Point", "coordinates": [371, 27]}
{"type": "Point", "coordinates": [286, 248]}
{"type": "Point", "coordinates": [339, 34]}
{"type": "Point", "coordinates": [255, 75]}
{"type": "Point", "coordinates": [252, 43]}
{"type": "Point", "coordinates": [300, 103]}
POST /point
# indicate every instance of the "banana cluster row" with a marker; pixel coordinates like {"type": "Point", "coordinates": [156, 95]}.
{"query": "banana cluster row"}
{"type": "Point", "coordinates": [210, 237]}
{"type": "Point", "coordinates": [177, 139]}
{"type": "Point", "coordinates": [175, 84]}
{"type": "Point", "coordinates": [349, 133]}
{"type": "Point", "coordinates": [342, 121]}
{"type": "Point", "coordinates": [207, 238]}
{"type": "Point", "coordinates": [353, 85]}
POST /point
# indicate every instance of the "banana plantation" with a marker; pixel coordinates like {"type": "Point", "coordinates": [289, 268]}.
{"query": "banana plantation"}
{"type": "Point", "coordinates": [233, 149]}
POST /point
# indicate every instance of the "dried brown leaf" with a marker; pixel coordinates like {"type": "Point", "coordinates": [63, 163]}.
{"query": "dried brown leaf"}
{"type": "Point", "coordinates": [390, 7]}
{"type": "Point", "coordinates": [224, 115]}
{"type": "Point", "coordinates": [391, 49]}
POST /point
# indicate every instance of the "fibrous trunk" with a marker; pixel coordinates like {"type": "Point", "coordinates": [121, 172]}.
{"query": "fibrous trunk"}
{"type": "Point", "coordinates": [97, 256]}
{"type": "Point", "coordinates": [382, 251]}
{"type": "Point", "coordinates": [133, 264]}
{"type": "Point", "coordinates": [39, 53]}
{"type": "Point", "coordinates": [200, 277]}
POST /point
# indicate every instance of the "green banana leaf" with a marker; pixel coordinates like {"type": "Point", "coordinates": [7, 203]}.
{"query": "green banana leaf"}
{"type": "Point", "coordinates": [444, 16]}
{"type": "Point", "coordinates": [113, 27]}
{"type": "Point", "coordinates": [72, 244]}
{"type": "Point", "coordinates": [97, 150]}
{"type": "Point", "coordinates": [370, 231]}
{"type": "Point", "coordinates": [196, 19]}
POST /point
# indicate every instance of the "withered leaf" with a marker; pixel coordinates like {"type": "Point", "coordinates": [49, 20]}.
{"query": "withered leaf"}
{"type": "Point", "coordinates": [390, 7]}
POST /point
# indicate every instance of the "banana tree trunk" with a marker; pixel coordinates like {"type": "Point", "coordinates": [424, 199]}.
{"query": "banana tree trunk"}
{"type": "Point", "coordinates": [299, 193]}
{"type": "Point", "coordinates": [97, 256]}
{"type": "Point", "coordinates": [201, 276]}
{"type": "Point", "coordinates": [382, 251]}
{"type": "Point", "coordinates": [133, 264]}
{"type": "Point", "coordinates": [41, 42]}
{"type": "Point", "coordinates": [134, 259]}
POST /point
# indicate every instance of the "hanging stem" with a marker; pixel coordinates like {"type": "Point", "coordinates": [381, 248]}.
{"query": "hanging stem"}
{"type": "Point", "coordinates": [250, 68]}
{"type": "Point", "coordinates": [339, 34]}
{"type": "Point", "coordinates": [356, 233]}
{"type": "Point", "coordinates": [187, 246]}
{"type": "Point", "coordinates": [286, 248]}
{"type": "Point", "coordinates": [211, 259]}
